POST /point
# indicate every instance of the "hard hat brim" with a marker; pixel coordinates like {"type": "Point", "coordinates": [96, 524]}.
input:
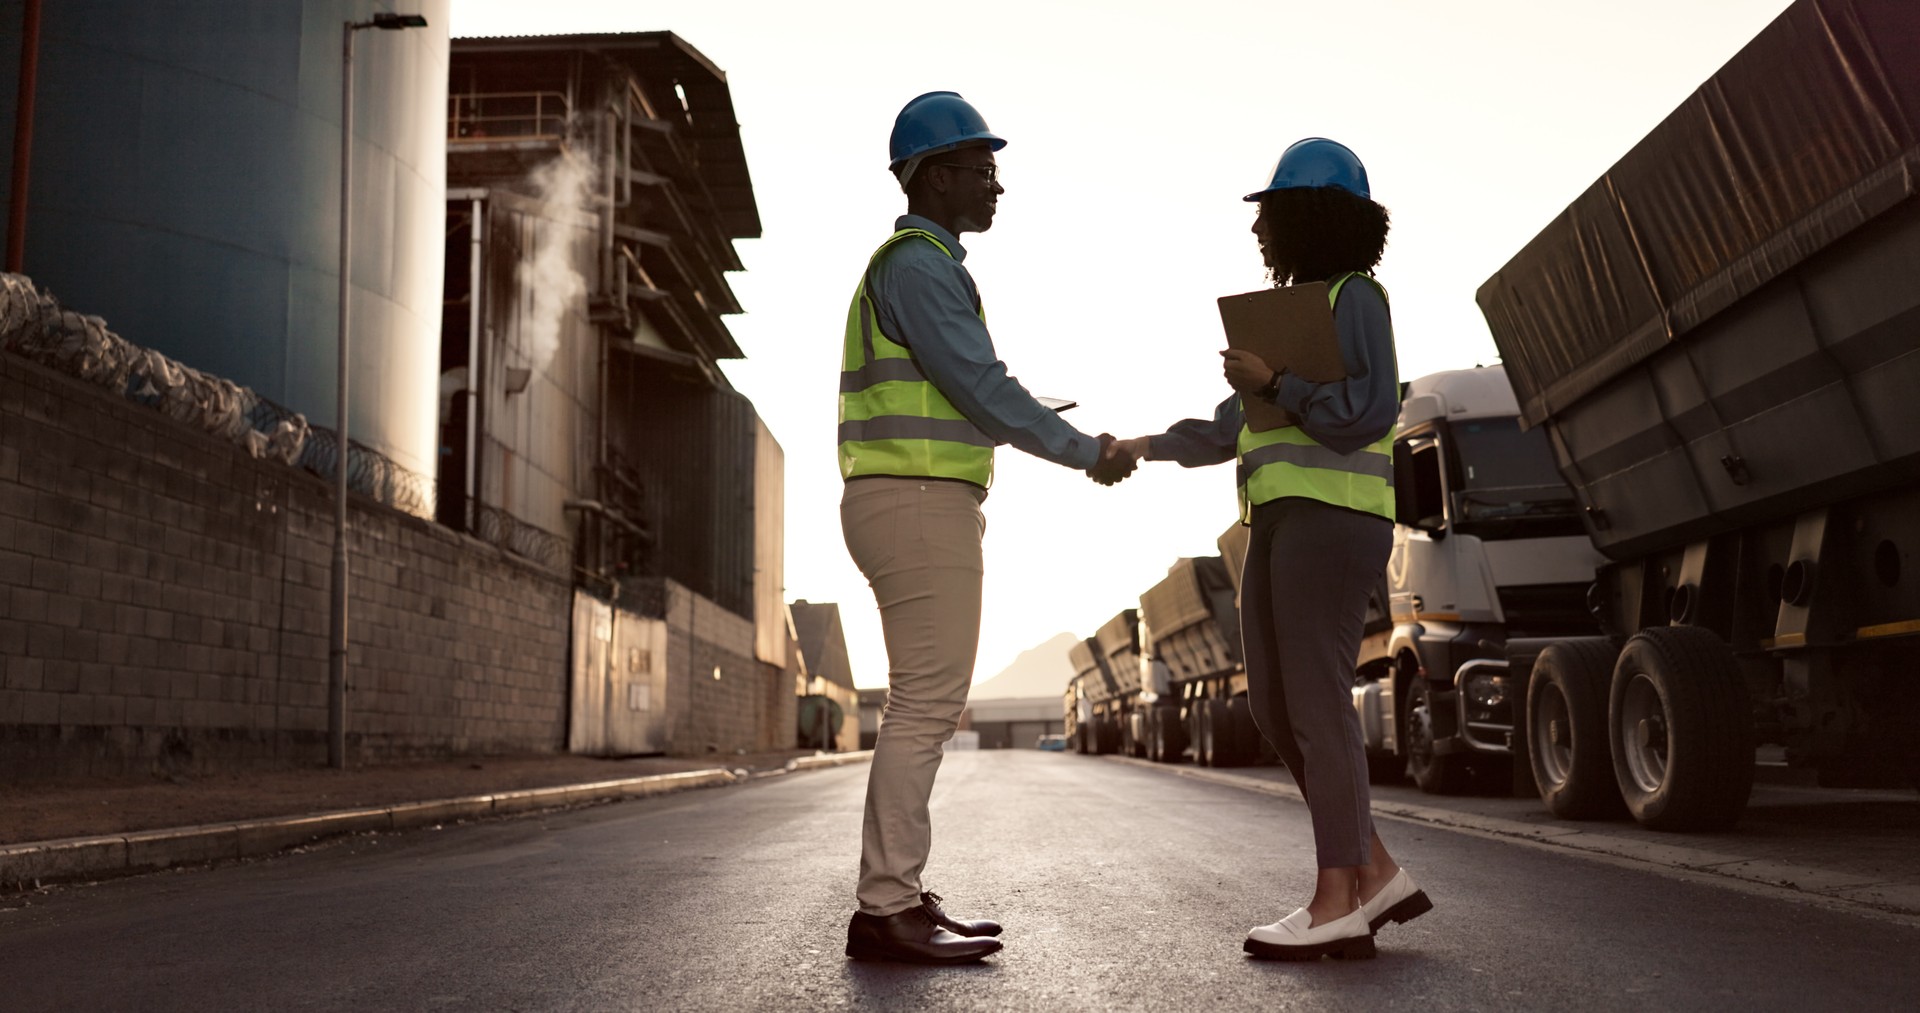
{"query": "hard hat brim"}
{"type": "Point", "coordinates": [993, 141]}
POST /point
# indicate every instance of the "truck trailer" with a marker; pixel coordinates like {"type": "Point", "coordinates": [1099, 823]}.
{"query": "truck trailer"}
{"type": "Point", "coordinates": [1104, 692]}
{"type": "Point", "coordinates": [1193, 683]}
{"type": "Point", "coordinates": [1720, 339]}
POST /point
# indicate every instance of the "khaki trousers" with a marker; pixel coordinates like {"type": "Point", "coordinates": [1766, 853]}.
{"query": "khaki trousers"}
{"type": "Point", "coordinates": [918, 543]}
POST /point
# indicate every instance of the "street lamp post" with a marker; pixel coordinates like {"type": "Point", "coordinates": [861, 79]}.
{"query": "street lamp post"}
{"type": "Point", "coordinates": [337, 624]}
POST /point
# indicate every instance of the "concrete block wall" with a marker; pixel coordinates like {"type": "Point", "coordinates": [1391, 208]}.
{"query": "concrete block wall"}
{"type": "Point", "coordinates": [164, 605]}
{"type": "Point", "coordinates": [742, 709]}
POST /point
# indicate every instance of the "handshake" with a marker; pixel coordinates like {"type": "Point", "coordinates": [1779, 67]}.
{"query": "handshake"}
{"type": "Point", "coordinates": [1118, 459]}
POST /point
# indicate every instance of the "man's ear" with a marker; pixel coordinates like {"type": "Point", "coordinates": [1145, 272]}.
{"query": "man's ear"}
{"type": "Point", "coordinates": [937, 184]}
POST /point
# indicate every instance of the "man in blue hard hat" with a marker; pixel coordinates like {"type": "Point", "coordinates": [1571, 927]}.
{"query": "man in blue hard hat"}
{"type": "Point", "coordinates": [924, 399]}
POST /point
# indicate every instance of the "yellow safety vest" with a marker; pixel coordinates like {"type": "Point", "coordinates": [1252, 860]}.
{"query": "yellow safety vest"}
{"type": "Point", "coordinates": [1287, 462]}
{"type": "Point", "coordinates": [893, 420]}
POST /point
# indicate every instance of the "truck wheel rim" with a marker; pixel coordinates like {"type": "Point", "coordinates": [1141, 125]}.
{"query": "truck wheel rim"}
{"type": "Point", "coordinates": [1420, 728]}
{"type": "Point", "coordinates": [1641, 735]}
{"type": "Point", "coordinates": [1556, 758]}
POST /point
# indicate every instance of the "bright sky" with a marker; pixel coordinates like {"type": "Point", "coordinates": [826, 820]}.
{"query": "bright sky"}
{"type": "Point", "coordinates": [1134, 127]}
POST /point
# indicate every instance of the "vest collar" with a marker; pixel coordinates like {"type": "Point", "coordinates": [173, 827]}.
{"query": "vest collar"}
{"type": "Point", "coordinates": [948, 239]}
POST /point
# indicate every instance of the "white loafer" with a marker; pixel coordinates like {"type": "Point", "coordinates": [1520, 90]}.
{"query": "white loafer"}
{"type": "Point", "coordinates": [1295, 937]}
{"type": "Point", "coordinates": [1400, 901]}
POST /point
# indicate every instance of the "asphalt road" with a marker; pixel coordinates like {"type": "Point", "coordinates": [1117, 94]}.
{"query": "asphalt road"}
{"type": "Point", "coordinates": [1122, 888]}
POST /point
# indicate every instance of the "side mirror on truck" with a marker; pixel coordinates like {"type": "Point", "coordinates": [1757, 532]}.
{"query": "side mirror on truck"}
{"type": "Point", "coordinates": [1419, 499]}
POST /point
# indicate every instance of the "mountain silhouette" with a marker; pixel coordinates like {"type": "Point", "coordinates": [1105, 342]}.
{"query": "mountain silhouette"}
{"type": "Point", "coordinates": [1042, 670]}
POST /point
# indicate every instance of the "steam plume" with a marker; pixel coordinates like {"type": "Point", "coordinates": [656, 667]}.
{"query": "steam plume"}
{"type": "Point", "coordinates": [565, 188]}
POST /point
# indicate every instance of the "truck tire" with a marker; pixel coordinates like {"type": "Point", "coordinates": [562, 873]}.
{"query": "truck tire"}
{"type": "Point", "coordinates": [1081, 739]}
{"type": "Point", "coordinates": [1173, 735]}
{"type": "Point", "coordinates": [1236, 741]}
{"type": "Point", "coordinates": [1386, 768]}
{"type": "Point", "coordinates": [1109, 735]}
{"type": "Point", "coordinates": [1435, 774]}
{"type": "Point", "coordinates": [1681, 729]}
{"type": "Point", "coordinates": [1567, 729]}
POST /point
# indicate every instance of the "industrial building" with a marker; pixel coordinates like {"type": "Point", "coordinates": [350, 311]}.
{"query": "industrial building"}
{"type": "Point", "coordinates": [566, 527]}
{"type": "Point", "coordinates": [596, 184]}
{"type": "Point", "coordinates": [830, 712]}
{"type": "Point", "coordinates": [1015, 723]}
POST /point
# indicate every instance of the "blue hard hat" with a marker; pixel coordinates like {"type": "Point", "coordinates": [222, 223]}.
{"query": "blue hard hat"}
{"type": "Point", "coordinates": [936, 121]}
{"type": "Point", "coordinates": [1317, 161]}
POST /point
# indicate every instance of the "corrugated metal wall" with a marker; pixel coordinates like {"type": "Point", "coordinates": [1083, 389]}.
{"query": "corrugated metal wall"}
{"type": "Point", "coordinates": [539, 445]}
{"type": "Point", "coordinates": [695, 448]}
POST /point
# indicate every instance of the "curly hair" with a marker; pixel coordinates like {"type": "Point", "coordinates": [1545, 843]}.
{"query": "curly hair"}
{"type": "Point", "coordinates": [1311, 234]}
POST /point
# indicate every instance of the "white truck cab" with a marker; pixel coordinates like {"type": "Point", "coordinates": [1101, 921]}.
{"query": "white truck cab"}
{"type": "Point", "coordinates": [1487, 545]}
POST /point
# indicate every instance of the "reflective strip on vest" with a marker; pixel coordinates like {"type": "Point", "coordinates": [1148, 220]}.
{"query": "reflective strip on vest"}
{"type": "Point", "coordinates": [1286, 462]}
{"type": "Point", "coordinates": [1313, 455]}
{"type": "Point", "coordinates": [893, 420]}
{"type": "Point", "coordinates": [881, 371]}
{"type": "Point", "coordinates": [907, 427]}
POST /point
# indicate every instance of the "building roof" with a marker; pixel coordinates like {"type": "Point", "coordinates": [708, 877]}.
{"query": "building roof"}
{"type": "Point", "coordinates": [709, 121]}
{"type": "Point", "coordinates": [822, 641]}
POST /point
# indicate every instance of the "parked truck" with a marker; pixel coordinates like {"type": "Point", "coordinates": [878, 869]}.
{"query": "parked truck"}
{"type": "Point", "coordinates": [1487, 546]}
{"type": "Point", "coordinates": [1720, 339]}
{"type": "Point", "coordinates": [1105, 689]}
{"type": "Point", "coordinates": [1193, 683]}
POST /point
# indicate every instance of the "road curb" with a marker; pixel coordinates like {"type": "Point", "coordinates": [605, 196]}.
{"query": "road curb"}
{"type": "Point", "coordinates": [34, 863]}
{"type": "Point", "coordinates": [1839, 888]}
{"type": "Point", "coordinates": [820, 761]}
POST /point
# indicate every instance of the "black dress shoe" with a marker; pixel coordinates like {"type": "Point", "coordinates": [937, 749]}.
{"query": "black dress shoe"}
{"type": "Point", "coordinates": [957, 926]}
{"type": "Point", "coordinates": [911, 937]}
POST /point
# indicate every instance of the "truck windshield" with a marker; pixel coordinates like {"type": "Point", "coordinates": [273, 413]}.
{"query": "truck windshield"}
{"type": "Point", "coordinates": [1510, 487]}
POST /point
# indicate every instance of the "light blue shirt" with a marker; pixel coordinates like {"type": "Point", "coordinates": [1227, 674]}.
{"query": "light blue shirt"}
{"type": "Point", "coordinates": [1343, 415]}
{"type": "Point", "coordinates": [927, 301]}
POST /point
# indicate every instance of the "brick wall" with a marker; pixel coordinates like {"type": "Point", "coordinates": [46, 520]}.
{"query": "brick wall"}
{"type": "Point", "coordinates": [163, 605]}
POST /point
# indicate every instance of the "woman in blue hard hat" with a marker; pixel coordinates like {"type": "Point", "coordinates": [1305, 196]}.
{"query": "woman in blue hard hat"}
{"type": "Point", "coordinates": [1318, 495]}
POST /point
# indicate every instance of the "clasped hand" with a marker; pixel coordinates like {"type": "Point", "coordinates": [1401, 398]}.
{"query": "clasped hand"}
{"type": "Point", "coordinates": [1118, 459]}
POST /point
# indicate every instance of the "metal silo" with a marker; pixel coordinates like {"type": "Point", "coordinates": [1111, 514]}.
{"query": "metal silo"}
{"type": "Point", "coordinates": [184, 185]}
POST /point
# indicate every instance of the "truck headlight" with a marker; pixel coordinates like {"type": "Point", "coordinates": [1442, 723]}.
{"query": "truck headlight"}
{"type": "Point", "coordinates": [1487, 690]}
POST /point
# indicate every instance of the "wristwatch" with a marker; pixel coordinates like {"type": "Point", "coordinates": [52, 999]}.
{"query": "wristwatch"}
{"type": "Point", "coordinates": [1271, 391]}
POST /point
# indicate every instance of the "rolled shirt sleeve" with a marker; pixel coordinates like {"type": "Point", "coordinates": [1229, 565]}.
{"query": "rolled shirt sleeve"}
{"type": "Point", "coordinates": [927, 302]}
{"type": "Point", "coordinates": [1348, 414]}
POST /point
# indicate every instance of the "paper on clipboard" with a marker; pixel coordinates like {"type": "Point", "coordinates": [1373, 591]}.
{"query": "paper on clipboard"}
{"type": "Point", "coordinates": [1289, 328]}
{"type": "Point", "coordinates": [1058, 404]}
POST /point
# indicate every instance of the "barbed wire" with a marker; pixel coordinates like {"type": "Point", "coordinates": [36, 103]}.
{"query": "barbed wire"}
{"type": "Point", "coordinates": [500, 528]}
{"type": "Point", "coordinates": [34, 325]}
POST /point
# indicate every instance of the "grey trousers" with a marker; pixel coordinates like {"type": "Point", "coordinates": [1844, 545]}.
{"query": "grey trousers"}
{"type": "Point", "coordinates": [918, 543]}
{"type": "Point", "coordinates": [1303, 607]}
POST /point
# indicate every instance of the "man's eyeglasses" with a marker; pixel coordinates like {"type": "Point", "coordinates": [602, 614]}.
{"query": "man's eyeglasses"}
{"type": "Point", "coordinates": [990, 172]}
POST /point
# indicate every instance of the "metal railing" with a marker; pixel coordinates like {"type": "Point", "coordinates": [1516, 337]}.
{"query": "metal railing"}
{"type": "Point", "coordinates": [507, 116]}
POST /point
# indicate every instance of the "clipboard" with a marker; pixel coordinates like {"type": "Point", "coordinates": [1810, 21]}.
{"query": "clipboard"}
{"type": "Point", "coordinates": [1055, 403]}
{"type": "Point", "coordinates": [1289, 328]}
